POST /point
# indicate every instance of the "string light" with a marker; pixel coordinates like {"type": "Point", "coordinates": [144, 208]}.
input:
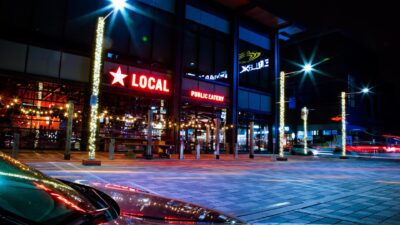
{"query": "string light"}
{"type": "Point", "coordinates": [343, 101]}
{"type": "Point", "coordinates": [95, 87]}
{"type": "Point", "coordinates": [281, 113]}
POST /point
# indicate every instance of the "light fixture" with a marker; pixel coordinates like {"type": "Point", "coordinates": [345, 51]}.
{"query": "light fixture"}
{"type": "Point", "coordinates": [307, 68]}
{"type": "Point", "coordinates": [118, 4]}
{"type": "Point", "coordinates": [365, 90]}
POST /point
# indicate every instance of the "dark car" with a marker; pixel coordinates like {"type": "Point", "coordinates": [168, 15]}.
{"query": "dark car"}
{"type": "Point", "coordinates": [29, 197]}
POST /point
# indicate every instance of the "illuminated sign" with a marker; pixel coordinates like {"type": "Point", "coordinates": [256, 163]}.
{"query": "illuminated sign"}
{"type": "Point", "coordinates": [145, 82]}
{"type": "Point", "coordinates": [264, 63]}
{"type": "Point", "coordinates": [336, 118]}
{"type": "Point", "coordinates": [207, 96]}
{"type": "Point", "coordinates": [219, 76]}
{"type": "Point", "coordinates": [248, 56]}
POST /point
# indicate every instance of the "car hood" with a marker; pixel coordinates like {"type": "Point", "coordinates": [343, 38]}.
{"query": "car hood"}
{"type": "Point", "coordinates": [141, 207]}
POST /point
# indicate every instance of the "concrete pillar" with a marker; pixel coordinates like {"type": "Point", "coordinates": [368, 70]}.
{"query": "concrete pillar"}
{"type": "Point", "coordinates": [251, 141]}
{"type": "Point", "coordinates": [235, 151]}
{"type": "Point", "coordinates": [197, 150]}
{"type": "Point", "coordinates": [15, 148]}
{"type": "Point", "coordinates": [149, 152]}
{"type": "Point", "coordinates": [111, 149]}
{"type": "Point", "coordinates": [217, 137]}
{"type": "Point", "coordinates": [70, 112]}
{"type": "Point", "coordinates": [182, 150]}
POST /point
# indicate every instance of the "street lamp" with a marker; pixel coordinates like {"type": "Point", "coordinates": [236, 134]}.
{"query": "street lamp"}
{"type": "Point", "coordinates": [343, 103]}
{"type": "Point", "coordinates": [282, 77]}
{"type": "Point", "coordinates": [304, 116]}
{"type": "Point", "coordinates": [94, 98]}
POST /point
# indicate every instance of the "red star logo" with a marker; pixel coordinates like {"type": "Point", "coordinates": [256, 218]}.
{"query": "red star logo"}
{"type": "Point", "coordinates": [118, 77]}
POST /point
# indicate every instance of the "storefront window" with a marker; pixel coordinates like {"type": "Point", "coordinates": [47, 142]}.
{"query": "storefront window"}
{"type": "Point", "coordinates": [37, 110]}
{"type": "Point", "coordinates": [127, 117]}
{"type": "Point", "coordinates": [259, 136]}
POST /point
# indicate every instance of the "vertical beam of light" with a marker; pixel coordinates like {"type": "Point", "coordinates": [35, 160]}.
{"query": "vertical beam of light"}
{"type": "Point", "coordinates": [94, 98]}
{"type": "Point", "coordinates": [305, 118]}
{"type": "Point", "coordinates": [281, 113]}
{"type": "Point", "coordinates": [343, 100]}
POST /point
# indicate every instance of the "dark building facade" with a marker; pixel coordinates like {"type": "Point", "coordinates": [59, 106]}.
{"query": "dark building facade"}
{"type": "Point", "coordinates": [196, 72]}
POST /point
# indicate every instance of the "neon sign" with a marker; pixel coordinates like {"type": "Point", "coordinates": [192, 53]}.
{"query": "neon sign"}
{"type": "Point", "coordinates": [264, 63]}
{"type": "Point", "coordinates": [207, 96]}
{"type": "Point", "coordinates": [141, 81]}
{"type": "Point", "coordinates": [219, 76]}
{"type": "Point", "coordinates": [248, 56]}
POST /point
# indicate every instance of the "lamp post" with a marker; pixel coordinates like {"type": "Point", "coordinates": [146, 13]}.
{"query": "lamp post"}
{"type": "Point", "coordinates": [306, 68]}
{"type": "Point", "coordinates": [304, 116]}
{"type": "Point", "coordinates": [343, 105]}
{"type": "Point", "coordinates": [96, 77]}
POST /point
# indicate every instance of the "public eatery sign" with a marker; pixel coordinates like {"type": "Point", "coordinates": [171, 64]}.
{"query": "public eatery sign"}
{"type": "Point", "coordinates": [140, 82]}
{"type": "Point", "coordinates": [207, 96]}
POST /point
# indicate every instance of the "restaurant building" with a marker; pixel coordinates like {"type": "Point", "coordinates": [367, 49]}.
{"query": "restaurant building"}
{"type": "Point", "coordinates": [193, 72]}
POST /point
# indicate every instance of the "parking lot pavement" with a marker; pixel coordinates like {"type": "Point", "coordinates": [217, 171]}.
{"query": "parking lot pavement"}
{"type": "Point", "coordinates": [302, 190]}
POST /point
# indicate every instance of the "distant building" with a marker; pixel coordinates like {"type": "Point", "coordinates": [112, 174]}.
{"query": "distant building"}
{"type": "Point", "coordinates": [342, 65]}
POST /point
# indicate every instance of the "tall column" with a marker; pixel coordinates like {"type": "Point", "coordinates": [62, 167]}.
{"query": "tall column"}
{"type": "Point", "coordinates": [175, 107]}
{"type": "Point", "coordinates": [67, 153]}
{"type": "Point", "coordinates": [234, 84]}
{"type": "Point", "coordinates": [276, 70]}
{"type": "Point", "coordinates": [251, 141]}
{"type": "Point", "coordinates": [343, 104]}
{"type": "Point", "coordinates": [217, 136]}
{"type": "Point", "coordinates": [304, 116]}
{"type": "Point", "coordinates": [149, 152]}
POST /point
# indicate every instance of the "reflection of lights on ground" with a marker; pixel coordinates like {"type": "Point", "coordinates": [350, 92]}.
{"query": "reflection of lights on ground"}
{"type": "Point", "coordinates": [388, 182]}
{"type": "Point", "coordinates": [296, 181]}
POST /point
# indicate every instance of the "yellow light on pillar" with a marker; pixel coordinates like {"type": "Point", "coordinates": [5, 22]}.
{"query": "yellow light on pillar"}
{"type": "Point", "coordinates": [98, 52]}
{"type": "Point", "coordinates": [304, 112]}
{"type": "Point", "coordinates": [281, 114]}
{"type": "Point", "coordinates": [343, 101]}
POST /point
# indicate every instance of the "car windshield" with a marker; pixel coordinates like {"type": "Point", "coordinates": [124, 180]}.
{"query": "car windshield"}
{"type": "Point", "coordinates": [28, 195]}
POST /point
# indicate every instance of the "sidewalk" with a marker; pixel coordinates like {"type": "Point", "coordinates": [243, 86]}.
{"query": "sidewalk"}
{"type": "Point", "coordinates": [78, 156]}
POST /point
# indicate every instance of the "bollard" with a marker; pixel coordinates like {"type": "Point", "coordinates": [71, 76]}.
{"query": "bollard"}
{"type": "Point", "coordinates": [181, 151]}
{"type": "Point", "coordinates": [111, 149]}
{"type": "Point", "coordinates": [198, 151]}
{"type": "Point", "coordinates": [235, 151]}
{"type": "Point", "coordinates": [15, 148]}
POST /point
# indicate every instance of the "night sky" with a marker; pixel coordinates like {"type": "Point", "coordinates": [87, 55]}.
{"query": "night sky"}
{"type": "Point", "coordinates": [372, 25]}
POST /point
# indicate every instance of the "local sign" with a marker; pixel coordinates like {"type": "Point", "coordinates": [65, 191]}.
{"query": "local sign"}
{"type": "Point", "coordinates": [140, 82]}
{"type": "Point", "coordinates": [206, 96]}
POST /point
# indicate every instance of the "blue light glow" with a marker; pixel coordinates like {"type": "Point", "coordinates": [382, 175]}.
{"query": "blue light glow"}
{"type": "Point", "coordinates": [365, 90]}
{"type": "Point", "coordinates": [119, 4]}
{"type": "Point", "coordinates": [307, 68]}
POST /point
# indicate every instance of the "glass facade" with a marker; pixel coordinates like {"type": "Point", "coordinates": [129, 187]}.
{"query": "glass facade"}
{"type": "Point", "coordinates": [37, 110]}
{"type": "Point", "coordinates": [139, 74]}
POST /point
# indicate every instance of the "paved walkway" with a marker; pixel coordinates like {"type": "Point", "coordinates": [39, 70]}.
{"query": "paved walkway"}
{"type": "Point", "coordinates": [303, 190]}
